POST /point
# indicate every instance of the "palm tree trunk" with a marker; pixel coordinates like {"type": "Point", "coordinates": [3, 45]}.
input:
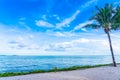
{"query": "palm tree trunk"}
{"type": "Point", "coordinates": [111, 49]}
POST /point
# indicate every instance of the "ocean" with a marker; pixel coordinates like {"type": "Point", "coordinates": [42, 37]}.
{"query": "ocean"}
{"type": "Point", "coordinates": [28, 63]}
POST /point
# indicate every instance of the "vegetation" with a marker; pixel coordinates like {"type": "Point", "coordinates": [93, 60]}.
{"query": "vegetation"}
{"type": "Point", "coordinates": [106, 18]}
{"type": "Point", "coordinates": [55, 69]}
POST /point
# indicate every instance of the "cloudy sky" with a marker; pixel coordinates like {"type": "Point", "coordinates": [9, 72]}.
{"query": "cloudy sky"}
{"type": "Point", "coordinates": [52, 27]}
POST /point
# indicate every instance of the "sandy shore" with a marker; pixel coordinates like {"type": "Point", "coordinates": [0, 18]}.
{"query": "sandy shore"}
{"type": "Point", "coordinates": [100, 73]}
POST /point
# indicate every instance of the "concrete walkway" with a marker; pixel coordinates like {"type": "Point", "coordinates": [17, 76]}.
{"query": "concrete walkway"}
{"type": "Point", "coordinates": [101, 73]}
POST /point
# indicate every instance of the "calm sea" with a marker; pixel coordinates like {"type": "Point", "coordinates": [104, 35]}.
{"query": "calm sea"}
{"type": "Point", "coordinates": [28, 63]}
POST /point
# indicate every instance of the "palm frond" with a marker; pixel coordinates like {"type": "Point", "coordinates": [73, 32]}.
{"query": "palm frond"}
{"type": "Point", "coordinates": [106, 17]}
{"type": "Point", "coordinates": [116, 19]}
{"type": "Point", "coordinates": [94, 26]}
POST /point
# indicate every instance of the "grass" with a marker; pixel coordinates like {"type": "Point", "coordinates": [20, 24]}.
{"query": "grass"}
{"type": "Point", "coordinates": [55, 69]}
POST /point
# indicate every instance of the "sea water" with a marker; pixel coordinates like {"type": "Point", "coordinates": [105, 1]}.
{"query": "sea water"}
{"type": "Point", "coordinates": [28, 63]}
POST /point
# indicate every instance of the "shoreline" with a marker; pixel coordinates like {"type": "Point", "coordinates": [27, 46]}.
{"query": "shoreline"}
{"type": "Point", "coordinates": [55, 69]}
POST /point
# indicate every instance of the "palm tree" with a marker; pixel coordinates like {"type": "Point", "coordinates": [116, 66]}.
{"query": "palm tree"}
{"type": "Point", "coordinates": [108, 19]}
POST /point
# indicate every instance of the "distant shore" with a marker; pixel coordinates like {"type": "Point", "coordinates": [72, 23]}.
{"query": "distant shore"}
{"type": "Point", "coordinates": [97, 73]}
{"type": "Point", "coordinates": [55, 69]}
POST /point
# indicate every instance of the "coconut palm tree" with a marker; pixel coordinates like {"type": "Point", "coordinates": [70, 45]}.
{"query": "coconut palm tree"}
{"type": "Point", "coordinates": [108, 19]}
{"type": "Point", "coordinates": [116, 19]}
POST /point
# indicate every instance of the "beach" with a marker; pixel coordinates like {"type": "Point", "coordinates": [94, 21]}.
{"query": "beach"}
{"type": "Point", "coordinates": [99, 73]}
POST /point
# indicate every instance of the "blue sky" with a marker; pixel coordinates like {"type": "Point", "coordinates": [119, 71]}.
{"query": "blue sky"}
{"type": "Point", "coordinates": [52, 27]}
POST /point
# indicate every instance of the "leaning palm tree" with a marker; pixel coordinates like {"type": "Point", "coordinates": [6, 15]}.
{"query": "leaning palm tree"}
{"type": "Point", "coordinates": [108, 19]}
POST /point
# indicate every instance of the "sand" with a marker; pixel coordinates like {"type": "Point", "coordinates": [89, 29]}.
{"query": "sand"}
{"type": "Point", "coordinates": [100, 73]}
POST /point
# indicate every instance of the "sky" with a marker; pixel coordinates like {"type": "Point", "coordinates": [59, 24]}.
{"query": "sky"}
{"type": "Point", "coordinates": [53, 27]}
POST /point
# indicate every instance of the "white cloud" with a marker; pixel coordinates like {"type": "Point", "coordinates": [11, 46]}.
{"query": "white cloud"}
{"type": "Point", "coordinates": [42, 23]}
{"type": "Point", "coordinates": [57, 17]}
{"type": "Point", "coordinates": [64, 23]}
{"type": "Point", "coordinates": [20, 39]}
{"type": "Point", "coordinates": [81, 40]}
{"type": "Point", "coordinates": [66, 43]}
{"type": "Point", "coordinates": [33, 46]}
{"type": "Point", "coordinates": [84, 29]}
{"type": "Point", "coordinates": [84, 45]}
{"type": "Point", "coordinates": [23, 43]}
{"type": "Point", "coordinates": [89, 3]}
{"type": "Point", "coordinates": [31, 36]}
{"type": "Point", "coordinates": [67, 21]}
{"type": "Point", "coordinates": [55, 48]}
{"type": "Point", "coordinates": [80, 44]}
{"type": "Point", "coordinates": [23, 24]}
{"type": "Point", "coordinates": [19, 43]}
{"type": "Point", "coordinates": [79, 26]}
{"type": "Point", "coordinates": [60, 34]}
{"type": "Point", "coordinates": [64, 34]}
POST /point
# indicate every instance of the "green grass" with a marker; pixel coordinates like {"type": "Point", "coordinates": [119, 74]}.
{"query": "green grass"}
{"type": "Point", "coordinates": [55, 69]}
